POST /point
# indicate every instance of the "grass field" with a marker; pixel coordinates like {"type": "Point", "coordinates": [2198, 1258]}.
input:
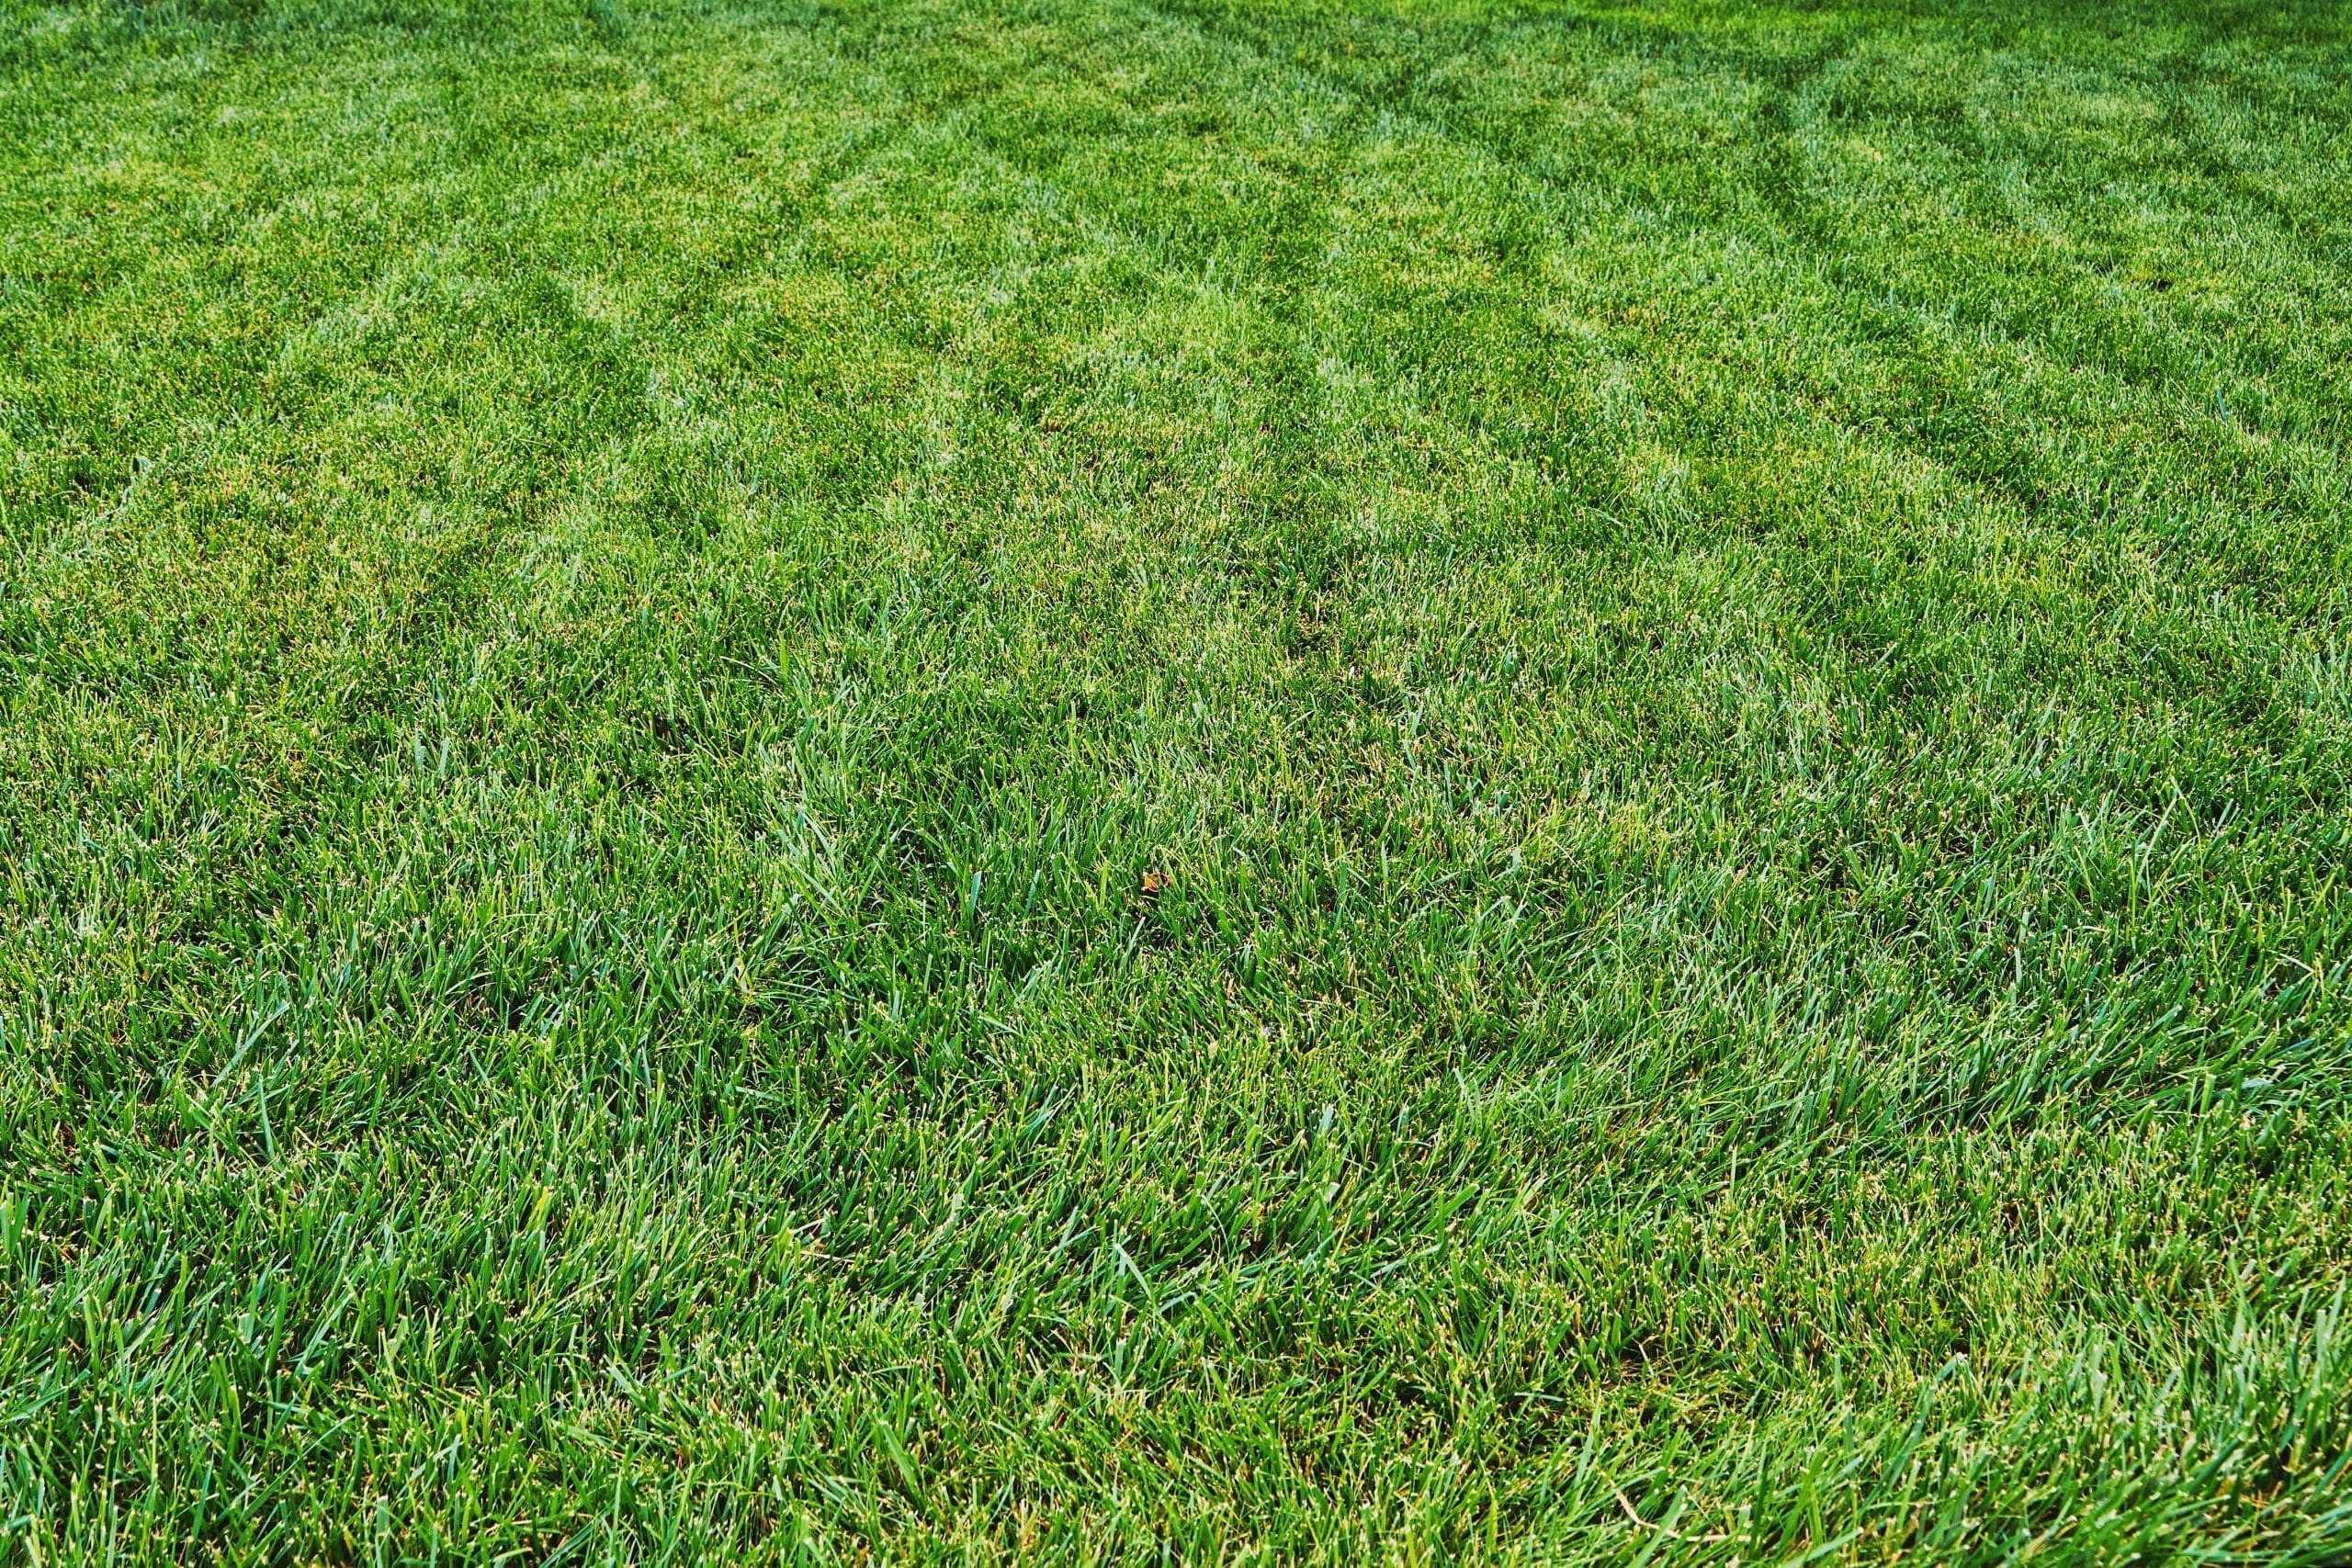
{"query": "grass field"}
{"type": "Point", "coordinates": [1175, 780]}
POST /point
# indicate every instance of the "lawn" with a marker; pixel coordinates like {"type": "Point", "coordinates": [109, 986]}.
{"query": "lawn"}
{"type": "Point", "coordinates": [1175, 780]}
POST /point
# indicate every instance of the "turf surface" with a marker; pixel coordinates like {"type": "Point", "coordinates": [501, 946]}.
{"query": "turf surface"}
{"type": "Point", "coordinates": [1175, 779]}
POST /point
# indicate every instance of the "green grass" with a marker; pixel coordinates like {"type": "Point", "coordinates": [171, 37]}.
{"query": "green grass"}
{"type": "Point", "coordinates": [1175, 779]}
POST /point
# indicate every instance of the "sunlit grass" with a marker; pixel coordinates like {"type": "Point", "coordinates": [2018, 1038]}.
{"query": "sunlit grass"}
{"type": "Point", "coordinates": [1256, 780]}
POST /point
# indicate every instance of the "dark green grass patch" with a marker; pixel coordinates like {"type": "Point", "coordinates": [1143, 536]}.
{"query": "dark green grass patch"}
{"type": "Point", "coordinates": [1230, 782]}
